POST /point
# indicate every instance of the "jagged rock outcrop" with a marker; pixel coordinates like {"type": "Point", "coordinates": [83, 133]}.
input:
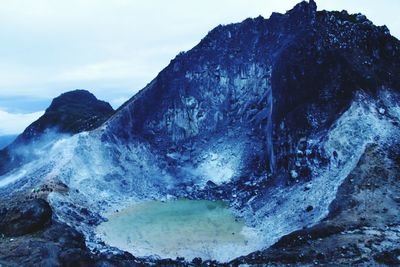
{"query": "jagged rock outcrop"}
{"type": "Point", "coordinates": [25, 218]}
{"type": "Point", "coordinates": [278, 81]}
{"type": "Point", "coordinates": [29, 236]}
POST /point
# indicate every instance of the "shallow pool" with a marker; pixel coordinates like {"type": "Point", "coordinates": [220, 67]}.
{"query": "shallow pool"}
{"type": "Point", "coordinates": [180, 228]}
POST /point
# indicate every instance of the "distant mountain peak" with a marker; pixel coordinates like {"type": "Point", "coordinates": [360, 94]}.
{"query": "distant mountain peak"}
{"type": "Point", "coordinates": [72, 112]}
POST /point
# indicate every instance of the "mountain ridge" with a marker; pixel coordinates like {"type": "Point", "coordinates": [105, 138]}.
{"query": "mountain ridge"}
{"type": "Point", "coordinates": [276, 117]}
{"type": "Point", "coordinates": [70, 113]}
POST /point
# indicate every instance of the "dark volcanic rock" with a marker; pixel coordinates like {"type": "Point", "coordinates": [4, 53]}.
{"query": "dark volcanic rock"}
{"type": "Point", "coordinates": [261, 100]}
{"type": "Point", "coordinates": [75, 257]}
{"type": "Point", "coordinates": [363, 226]}
{"type": "Point", "coordinates": [70, 113]}
{"type": "Point", "coordinates": [37, 240]}
{"type": "Point", "coordinates": [40, 249]}
{"type": "Point", "coordinates": [272, 82]}
{"type": "Point", "coordinates": [391, 258]}
{"type": "Point", "coordinates": [25, 218]}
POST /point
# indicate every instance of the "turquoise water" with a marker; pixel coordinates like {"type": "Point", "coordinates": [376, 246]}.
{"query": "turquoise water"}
{"type": "Point", "coordinates": [184, 228]}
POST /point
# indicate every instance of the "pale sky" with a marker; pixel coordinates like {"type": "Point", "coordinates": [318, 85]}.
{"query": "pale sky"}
{"type": "Point", "coordinates": [115, 47]}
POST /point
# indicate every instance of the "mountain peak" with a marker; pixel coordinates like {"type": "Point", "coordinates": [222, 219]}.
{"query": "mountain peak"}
{"type": "Point", "coordinates": [305, 10]}
{"type": "Point", "coordinates": [313, 4]}
{"type": "Point", "coordinates": [78, 96]}
{"type": "Point", "coordinates": [72, 112]}
{"type": "Point", "coordinates": [305, 5]}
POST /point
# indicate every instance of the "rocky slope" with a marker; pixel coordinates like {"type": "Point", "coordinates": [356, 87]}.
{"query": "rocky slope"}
{"type": "Point", "coordinates": [293, 120]}
{"type": "Point", "coordinates": [70, 113]}
{"type": "Point", "coordinates": [362, 227]}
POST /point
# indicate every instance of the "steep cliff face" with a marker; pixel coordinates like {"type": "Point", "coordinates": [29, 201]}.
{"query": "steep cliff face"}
{"type": "Point", "coordinates": [272, 82]}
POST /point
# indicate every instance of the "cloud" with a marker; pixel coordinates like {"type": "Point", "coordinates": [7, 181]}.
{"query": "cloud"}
{"type": "Point", "coordinates": [49, 47]}
{"type": "Point", "coordinates": [114, 48]}
{"type": "Point", "coordinates": [15, 123]}
{"type": "Point", "coordinates": [117, 102]}
{"type": "Point", "coordinates": [107, 70]}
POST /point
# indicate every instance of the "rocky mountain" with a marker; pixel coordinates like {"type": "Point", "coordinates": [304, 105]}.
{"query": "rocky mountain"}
{"type": "Point", "coordinates": [292, 120]}
{"type": "Point", "coordinates": [70, 113]}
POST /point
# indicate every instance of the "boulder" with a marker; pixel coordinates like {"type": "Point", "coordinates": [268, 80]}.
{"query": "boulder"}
{"type": "Point", "coordinates": [25, 217]}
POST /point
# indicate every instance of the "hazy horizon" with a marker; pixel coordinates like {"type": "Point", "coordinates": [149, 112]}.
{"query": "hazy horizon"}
{"type": "Point", "coordinates": [114, 48]}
